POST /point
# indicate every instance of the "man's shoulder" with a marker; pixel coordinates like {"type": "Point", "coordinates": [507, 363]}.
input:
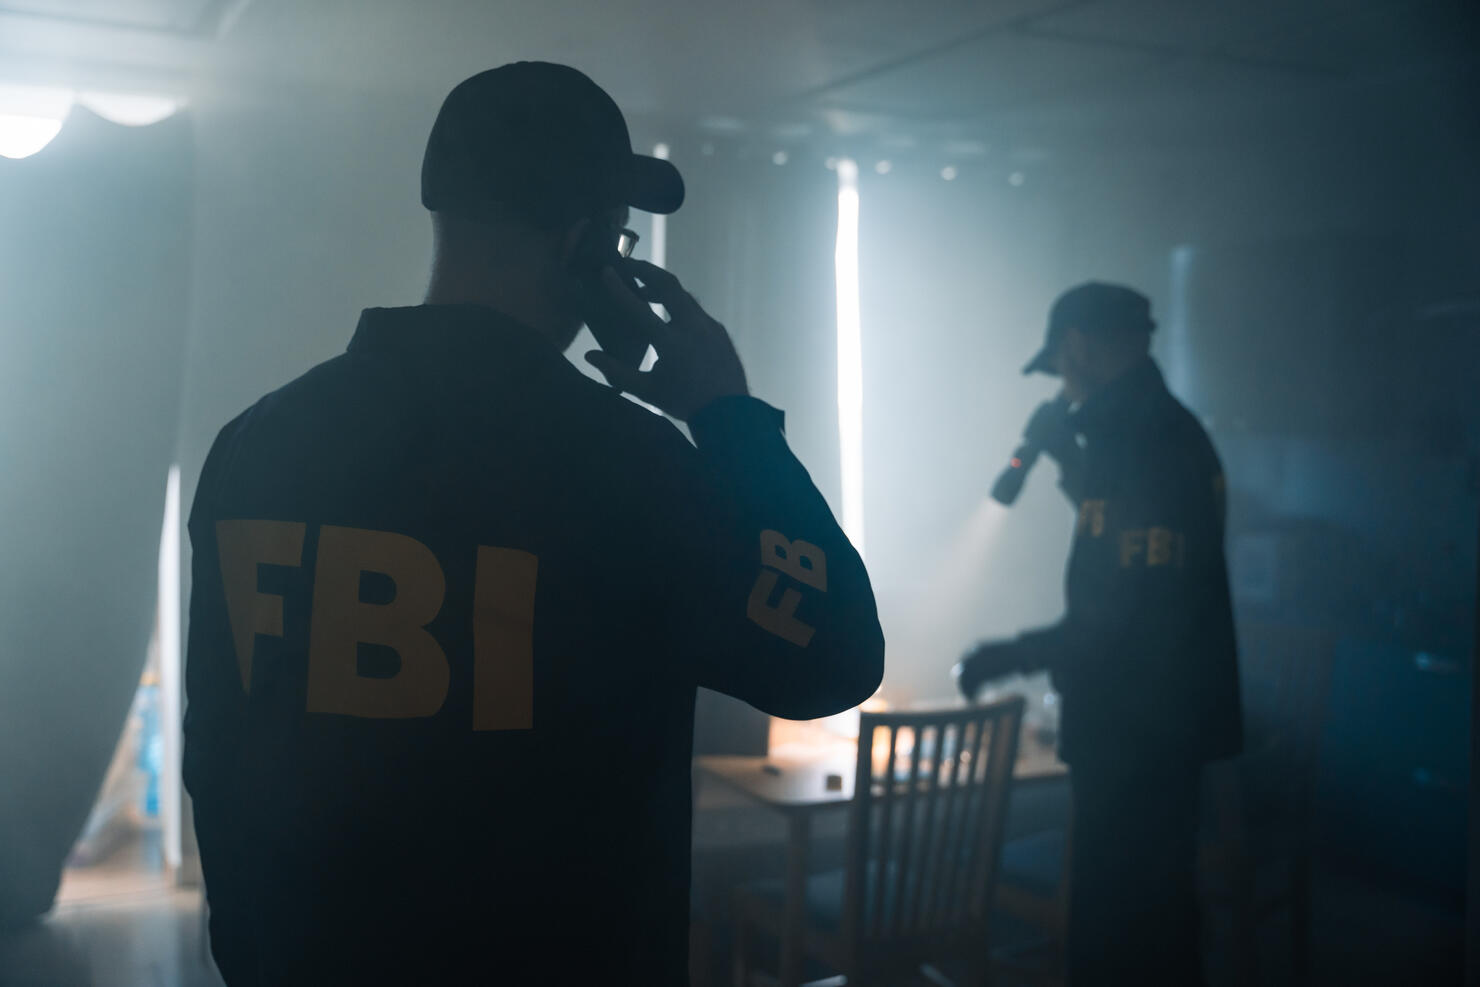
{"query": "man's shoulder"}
{"type": "Point", "coordinates": [1176, 430]}
{"type": "Point", "coordinates": [1181, 463]}
{"type": "Point", "coordinates": [1167, 457]}
{"type": "Point", "coordinates": [311, 385]}
{"type": "Point", "coordinates": [292, 409]}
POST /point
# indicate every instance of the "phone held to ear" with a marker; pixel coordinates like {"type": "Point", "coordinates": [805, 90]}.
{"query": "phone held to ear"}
{"type": "Point", "coordinates": [613, 329]}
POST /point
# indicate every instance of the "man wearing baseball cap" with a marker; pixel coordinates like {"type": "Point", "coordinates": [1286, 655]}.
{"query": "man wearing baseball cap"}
{"type": "Point", "coordinates": [453, 598]}
{"type": "Point", "coordinates": [1144, 659]}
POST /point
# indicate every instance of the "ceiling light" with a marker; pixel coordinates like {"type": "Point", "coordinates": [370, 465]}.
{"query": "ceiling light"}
{"type": "Point", "coordinates": [23, 136]}
{"type": "Point", "coordinates": [30, 117]}
{"type": "Point", "coordinates": [1016, 178]}
{"type": "Point", "coordinates": [779, 158]}
{"type": "Point", "coordinates": [884, 167]}
{"type": "Point", "coordinates": [948, 173]}
{"type": "Point", "coordinates": [129, 109]}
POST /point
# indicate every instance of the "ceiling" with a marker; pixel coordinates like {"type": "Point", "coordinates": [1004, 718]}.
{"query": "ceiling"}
{"type": "Point", "coordinates": [183, 17]}
{"type": "Point", "coordinates": [949, 69]}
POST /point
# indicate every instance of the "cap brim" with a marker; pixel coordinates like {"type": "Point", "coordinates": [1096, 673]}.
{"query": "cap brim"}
{"type": "Point", "coordinates": [1042, 363]}
{"type": "Point", "coordinates": [654, 185]}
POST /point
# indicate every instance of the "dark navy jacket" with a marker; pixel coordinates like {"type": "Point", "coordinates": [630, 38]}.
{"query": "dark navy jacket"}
{"type": "Point", "coordinates": [451, 603]}
{"type": "Point", "coordinates": [1145, 659]}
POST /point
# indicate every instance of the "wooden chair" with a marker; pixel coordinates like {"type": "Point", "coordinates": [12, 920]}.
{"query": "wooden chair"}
{"type": "Point", "coordinates": [1257, 846]}
{"type": "Point", "coordinates": [924, 841]}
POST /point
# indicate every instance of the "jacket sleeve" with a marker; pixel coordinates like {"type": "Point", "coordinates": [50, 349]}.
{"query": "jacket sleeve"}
{"type": "Point", "coordinates": [770, 601]}
{"type": "Point", "coordinates": [215, 723]}
{"type": "Point", "coordinates": [1144, 570]}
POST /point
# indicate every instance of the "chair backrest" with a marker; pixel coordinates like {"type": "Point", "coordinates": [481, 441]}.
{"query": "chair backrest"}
{"type": "Point", "coordinates": [926, 824]}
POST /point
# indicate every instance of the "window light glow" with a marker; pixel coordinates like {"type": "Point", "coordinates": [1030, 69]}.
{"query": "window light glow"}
{"type": "Point", "coordinates": [657, 254]}
{"type": "Point", "coordinates": [171, 669]}
{"type": "Point", "coordinates": [658, 247]}
{"type": "Point", "coordinates": [850, 353]}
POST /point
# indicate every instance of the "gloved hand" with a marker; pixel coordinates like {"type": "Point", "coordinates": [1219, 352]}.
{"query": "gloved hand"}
{"type": "Point", "coordinates": [987, 661]}
{"type": "Point", "coordinates": [1050, 429]}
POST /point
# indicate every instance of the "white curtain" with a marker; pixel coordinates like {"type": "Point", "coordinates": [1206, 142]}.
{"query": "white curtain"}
{"type": "Point", "coordinates": [94, 266]}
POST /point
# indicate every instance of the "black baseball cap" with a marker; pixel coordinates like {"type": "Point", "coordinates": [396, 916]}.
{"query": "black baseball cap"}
{"type": "Point", "coordinates": [1091, 307]}
{"type": "Point", "coordinates": [543, 140]}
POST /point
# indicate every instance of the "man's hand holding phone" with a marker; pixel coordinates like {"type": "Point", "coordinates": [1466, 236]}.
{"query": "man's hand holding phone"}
{"type": "Point", "coordinates": [697, 362]}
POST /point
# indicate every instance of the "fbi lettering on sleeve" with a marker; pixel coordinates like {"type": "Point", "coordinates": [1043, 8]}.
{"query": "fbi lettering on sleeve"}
{"type": "Point", "coordinates": [801, 562]}
{"type": "Point", "coordinates": [1092, 518]}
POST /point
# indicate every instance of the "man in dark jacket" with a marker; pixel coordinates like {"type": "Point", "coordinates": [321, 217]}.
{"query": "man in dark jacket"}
{"type": "Point", "coordinates": [452, 598]}
{"type": "Point", "coordinates": [1144, 659]}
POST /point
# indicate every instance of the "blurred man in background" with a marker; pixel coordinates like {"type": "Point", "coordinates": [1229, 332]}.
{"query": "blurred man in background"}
{"type": "Point", "coordinates": [452, 598]}
{"type": "Point", "coordinates": [1144, 658]}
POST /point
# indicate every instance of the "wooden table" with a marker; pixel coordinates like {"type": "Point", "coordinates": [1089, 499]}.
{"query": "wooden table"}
{"type": "Point", "coordinates": [793, 782]}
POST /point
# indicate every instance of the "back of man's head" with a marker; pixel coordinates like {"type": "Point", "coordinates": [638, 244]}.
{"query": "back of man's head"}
{"type": "Point", "coordinates": [522, 161]}
{"type": "Point", "coordinates": [538, 144]}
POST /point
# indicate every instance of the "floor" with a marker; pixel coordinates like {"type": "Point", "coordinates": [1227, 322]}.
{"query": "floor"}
{"type": "Point", "coordinates": [118, 923]}
{"type": "Point", "coordinates": [121, 923]}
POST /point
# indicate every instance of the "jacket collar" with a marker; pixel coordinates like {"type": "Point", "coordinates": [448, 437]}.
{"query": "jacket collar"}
{"type": "Point", "coordinates": [470, 335]}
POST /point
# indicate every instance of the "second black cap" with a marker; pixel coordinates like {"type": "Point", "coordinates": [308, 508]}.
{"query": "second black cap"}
{"type": "Point", "coordinates": [1091, 307]}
